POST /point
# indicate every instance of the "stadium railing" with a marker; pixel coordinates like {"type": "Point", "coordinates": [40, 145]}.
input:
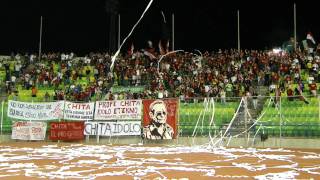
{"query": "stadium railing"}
{"type": "Point", "coordinates": [212, 116]}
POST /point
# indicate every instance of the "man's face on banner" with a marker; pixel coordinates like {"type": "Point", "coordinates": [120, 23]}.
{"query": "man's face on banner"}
{"type": "Point", "coordinates": [159, 113]}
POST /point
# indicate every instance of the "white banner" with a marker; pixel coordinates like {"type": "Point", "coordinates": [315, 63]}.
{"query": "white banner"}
{"type": "Point", "coordinates": [120, 109]}
{"type": "Point", "coordinates": [111, 128]}
{"type": "Point", "coordinates": [25, 130]}
{"type": "Point", "coordinates": [78, 111]}
{"type": "Point", "coordinates": [35, 111]}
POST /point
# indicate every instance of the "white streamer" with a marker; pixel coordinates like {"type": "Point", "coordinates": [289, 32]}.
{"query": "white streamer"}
{"type": "Point", "coordinates": [229, 140]}
{"type": "Point", "coordinates": [199, 52]}
{"type": "Point", "coordinates": [162, 56]}
{"type": "Point", "coordinates": [195, 128]}
{"type": "Point", "coordinates": [254, 137]}
{"type": "Point", "coordinates": [164, 18]}
{"type": "Point", "coordinates": [113, 59]}
{"type": "Point", "coordinates": [233, 118]}
{"type": "Point", "coordinates": [213, 110]}
{"type": "Point", "coordinates": [261, 115]}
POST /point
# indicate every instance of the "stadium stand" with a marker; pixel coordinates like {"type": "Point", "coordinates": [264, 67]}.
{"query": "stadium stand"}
{"type": "Point", "coordinates": [222, 74]}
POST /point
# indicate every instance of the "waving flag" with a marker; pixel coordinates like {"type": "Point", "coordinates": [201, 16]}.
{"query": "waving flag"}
{"type": "Point", "coordinates": [311, 43]}
{"type": "Point", "coordinates": [131, 50]}
{"type": "Point", "coordinates": [310, 38]}
{"type": "Point", "coordinates": [161, 49]}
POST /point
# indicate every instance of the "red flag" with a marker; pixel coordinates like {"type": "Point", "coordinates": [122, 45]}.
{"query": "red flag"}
{"type": "Point", "coordinates": [167, 48]}
{"type": "Point", "coordinates": [162, 51]}
{"type": "Point", "coordinates": [310, 37]}
{"type": "Point", "coordinates": [150, 55]}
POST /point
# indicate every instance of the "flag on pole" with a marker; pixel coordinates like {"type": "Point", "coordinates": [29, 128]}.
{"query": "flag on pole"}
{"type": "Point", "coordinates": [310, 39]}
{"type": "Point", "coordinates": [165, 36]}
{"type": "Point", "coordinates": [150, 55]}
{"type": "Point", "coordinates": [167, 46]}
{"type": "Point", "coordinates": [161, 49]}
{"type": "Point", "coordinates": [131, 50]}
{"type": "Point", "coordinates": [311, 43]}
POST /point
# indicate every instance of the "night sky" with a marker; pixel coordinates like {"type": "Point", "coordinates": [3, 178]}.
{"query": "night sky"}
{"type": "Point", "coordinates": [83, 26]}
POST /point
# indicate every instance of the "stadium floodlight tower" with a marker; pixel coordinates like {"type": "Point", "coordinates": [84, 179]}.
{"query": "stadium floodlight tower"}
{"type": "Point", "coordinates": [40, 40]}
{"type": "Point", "coordinates": [111, 8]}
{"type": "Point", "coordinates": [238, 23]}
{"type": "Point", "coordinates": [295, 26]}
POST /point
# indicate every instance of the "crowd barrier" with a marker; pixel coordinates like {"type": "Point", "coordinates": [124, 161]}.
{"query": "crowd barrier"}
{"type": "Point", "coordinates": [213, 118]}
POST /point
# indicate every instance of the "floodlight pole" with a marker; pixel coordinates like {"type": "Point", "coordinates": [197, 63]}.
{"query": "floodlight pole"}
{"type": "Point", "coordinates": [246, 120]}
{"type": "Point", "coordinates": [172, 32]}
{"type": "Point", "coordinates": [280, 129]}
{"type": "Point", "coordinates": [40, 39]}
{"type": "Point", "coordinates": [1, 124]}
{"type": "Point", "coordinates": [119, 32]}
{"type": "Point", "coordinates": [319, 107]}
{"type": "Point", "coordinates": [238, 17]}
{"type": "Point", "coordinates": [295, 26]}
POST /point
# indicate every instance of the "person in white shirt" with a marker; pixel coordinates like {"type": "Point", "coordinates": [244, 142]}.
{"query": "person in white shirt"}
{"type": "Point", "coordinates": [71, 56]}
{"type": "Point", "coordinates": [32, 58]}
{"type": "Point", "coordinates": [115, 96]}
{"type": "Point", "coordinates": [87, 60]}
{"type": "Point", "coordinates": [223, 96]}
{"type": "Point", "coordinates": [63, 57]}
{"type": "Point", "coordinates": [13, 80]}
{"type": "Point", "coordinates": [17, 57]}
{"type": "Point", "coordinates": [17, 68]}
{"type": "Point", "coordinates": [160, 94]}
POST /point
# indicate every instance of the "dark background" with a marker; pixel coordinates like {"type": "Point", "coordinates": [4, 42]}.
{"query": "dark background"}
{"type": "Point", "coordinates": [83, 26]}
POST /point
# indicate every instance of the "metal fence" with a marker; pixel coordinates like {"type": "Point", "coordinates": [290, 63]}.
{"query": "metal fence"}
{"type": "Point", "coordinates": [237, 117]}
{"type": "Point", "coordinates": [297, 116]}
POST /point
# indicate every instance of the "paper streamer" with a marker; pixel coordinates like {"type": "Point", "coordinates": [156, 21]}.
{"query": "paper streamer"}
{"type": "Point", "coordinates": [164, 18]}
{"type": "Point", "coordinates": [113, 59]}
{"type": "Point", "coordinates": [233, 118]}
{"type": "Point", "coordinates": [171, 52]}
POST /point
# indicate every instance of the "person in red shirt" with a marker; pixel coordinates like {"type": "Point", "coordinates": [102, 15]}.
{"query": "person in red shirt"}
{"type": "Point", "coordinates": [298, 93]}
{"type": "Point", "coordinates": [278, 95]}
{"type": "Point", "coordinates": [313, 89]}
{"type": "Point", "coordinates": [275, 77]}
{"type": "Point", "coordinates": [34, 91]}
{"type": "Point", "coordinates": [290, 94]}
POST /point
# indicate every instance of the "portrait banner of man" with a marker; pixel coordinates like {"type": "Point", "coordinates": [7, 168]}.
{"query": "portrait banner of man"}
{"type": "Point", "coordinates": [160, 119]}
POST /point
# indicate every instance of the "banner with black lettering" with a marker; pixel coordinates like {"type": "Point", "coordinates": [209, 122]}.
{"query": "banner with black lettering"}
{"type": "Point", "coordinates": [26, 130]}
{"type": "Point", "coordinates": [35, 111]}
{"type": "Point", "coordinates": [118, 110]}
{"type": "Point", "coordinates": [78, 111]}
{"type": "Point", "coordinates": [112, 128]}
{"type": "Point", "coordinates": [160, 119]}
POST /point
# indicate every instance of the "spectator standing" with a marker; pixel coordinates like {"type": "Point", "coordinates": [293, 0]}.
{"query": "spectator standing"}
{"type": "Point", "coordinates": [34, 91]}
{"type": "Point", "coordinates": [313, 89]}
{"type": "Point", "coordinates": [290, 94]}
{"type": "Point", "coordinates": [223, 96]}
{"type": "Point", "coordinates": [255, 99]}
{"type": "Point", "coordinates": [46, 97]}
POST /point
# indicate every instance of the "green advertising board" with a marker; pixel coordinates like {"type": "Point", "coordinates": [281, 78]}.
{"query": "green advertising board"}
{"type": "Point", "coordinates": [133, 89]}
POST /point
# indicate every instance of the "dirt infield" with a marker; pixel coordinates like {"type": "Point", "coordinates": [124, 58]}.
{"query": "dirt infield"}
{"type": "Point", "coordinates": [30, 160]}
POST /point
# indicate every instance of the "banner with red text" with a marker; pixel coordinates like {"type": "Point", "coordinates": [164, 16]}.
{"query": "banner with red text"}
{"type": "Point", "coordinates": [66, 130]}
{"type": "Point", "coordinates": [78, 111]}
{"type": "Point", "coordinates": [160, 119]}
{"type": "Point", "coordinates": [26, 130]}
{"type": "Point", "coordinates": [118, 110]}
{"type": "Point", "coordinates": [35, 111]}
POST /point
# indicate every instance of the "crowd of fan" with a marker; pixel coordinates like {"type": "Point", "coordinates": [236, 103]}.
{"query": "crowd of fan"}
{"type": "Point", "coordinates": [223, 73]}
